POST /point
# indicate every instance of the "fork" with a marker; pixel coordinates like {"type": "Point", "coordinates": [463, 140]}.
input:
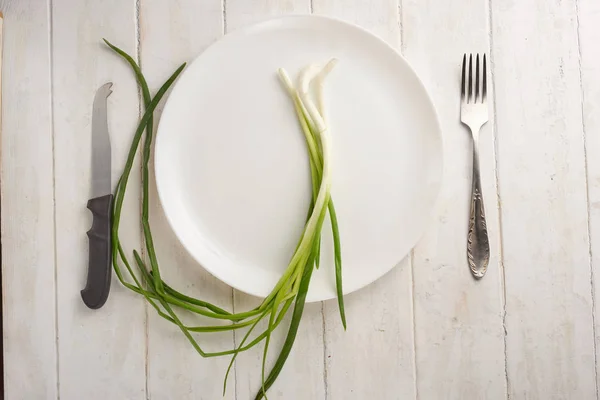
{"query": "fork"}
{"type": "Point", "coordinates": [474, 114]}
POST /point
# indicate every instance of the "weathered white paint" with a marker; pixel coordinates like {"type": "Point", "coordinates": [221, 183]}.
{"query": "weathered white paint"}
{"type": "Point", "coordinates": [458, 321]}
{"type": "Point", "coordinates": [169, 36]}
{"type": "Point", "coordinates": [542, 185]}
{"type": "Point", "coordinates": [374, 358]}
{"type": "Point", "coordinates": [589, 58]}
{"type": "Point", "coordinates": [28, 265]}
{"type": "Point", "coordinates": [54, 61]}
{"type": "Point", "coordinates": [101, 353]}
{"type": "Point", "coordinates": [239, 13]}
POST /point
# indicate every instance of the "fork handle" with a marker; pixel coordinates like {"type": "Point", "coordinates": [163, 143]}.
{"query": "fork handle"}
{"type": "Point", "coordinates": [478, 245]}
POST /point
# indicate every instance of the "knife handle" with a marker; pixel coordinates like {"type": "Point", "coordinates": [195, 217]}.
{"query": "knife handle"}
{"type": "Point", "coordinates": [99, 272]}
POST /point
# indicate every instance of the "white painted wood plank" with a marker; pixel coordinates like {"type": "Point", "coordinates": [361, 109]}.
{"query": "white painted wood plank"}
{"type": "Point", "coordinates": [374, 358]}
{"type": "Point", "coordinates": [458, 321]}
{"type": "Point", "coordinates": [239, 13]}
{"type": "Point", "coordinates": [101, 353]}
{"type": "Point", "coordinates": [171, 34]}
{"type": "Point", "coordinates": [303, 375]}
{"type": "Point", "coordinates": [589, 37]}
{"type": "Point", "coordinates": [28, 292]}
{"type": "Point", "coordinates": [381, 18]}
{"type": "Point", "coordinates": [542, 185]}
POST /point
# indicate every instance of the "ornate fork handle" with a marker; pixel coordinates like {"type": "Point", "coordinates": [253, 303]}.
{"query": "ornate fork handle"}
{"type": "Point", "coordinates": [478, 245]}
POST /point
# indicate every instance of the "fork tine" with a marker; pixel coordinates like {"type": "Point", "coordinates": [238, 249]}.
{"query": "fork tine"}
{"type": "Point", "coordinates": [470, 93]}
{"type": "Point", "coordinates": [484, 94]}
{"type": "Point", "coordinates": [477, 73]}
{"type": "Point", "coordinates": [463, 82]}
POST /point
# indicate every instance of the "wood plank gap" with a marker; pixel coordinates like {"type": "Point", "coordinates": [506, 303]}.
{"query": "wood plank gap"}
{"type": "Point", "coordinates": [587, 192]}
{"type": "Point", "coordinates": [400, 17]}
{"type": "Point", "coordinates": [51, 77]}
{"type": "Point", "coordinates": [1, 293]}
{"type": "Point", "coordinates": [413, 322]}
{"type": "Point", "coordinates": [235, 372]}
{"type": "Point", "coordinates": [141, 107]}
{"type": "Point", "coordinates": [224, 13]}
{"type": "Point", "coordinates": [498, 197]}
{"type": "Point", "coordinates": [324, 346]}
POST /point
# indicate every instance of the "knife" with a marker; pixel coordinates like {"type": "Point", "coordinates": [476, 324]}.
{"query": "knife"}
{"type": "Point", "coordinates": [96, 290]}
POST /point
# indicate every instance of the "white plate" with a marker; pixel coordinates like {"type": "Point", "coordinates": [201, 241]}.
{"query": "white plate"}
{"type": "Point", "coordinates": [232, 167]}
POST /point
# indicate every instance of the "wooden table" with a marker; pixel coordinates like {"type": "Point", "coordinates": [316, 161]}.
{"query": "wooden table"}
{"type": "Point", "coordinates": [427, 330]}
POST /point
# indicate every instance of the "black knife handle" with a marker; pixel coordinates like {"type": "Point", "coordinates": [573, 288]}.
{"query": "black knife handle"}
{"type": "Point", "coordinates": [99, 272]}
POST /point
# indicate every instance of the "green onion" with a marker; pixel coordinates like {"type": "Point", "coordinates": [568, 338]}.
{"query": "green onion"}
{"type": "Point", "coordinates": [293, 285]}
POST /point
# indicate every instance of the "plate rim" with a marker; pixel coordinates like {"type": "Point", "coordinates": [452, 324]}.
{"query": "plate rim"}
{"type": "Point", "coordinates": [420, 231]}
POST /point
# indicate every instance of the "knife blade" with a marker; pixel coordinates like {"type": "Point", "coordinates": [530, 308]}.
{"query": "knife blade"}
{"type": "Point", "coordinates": [96, 290]}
